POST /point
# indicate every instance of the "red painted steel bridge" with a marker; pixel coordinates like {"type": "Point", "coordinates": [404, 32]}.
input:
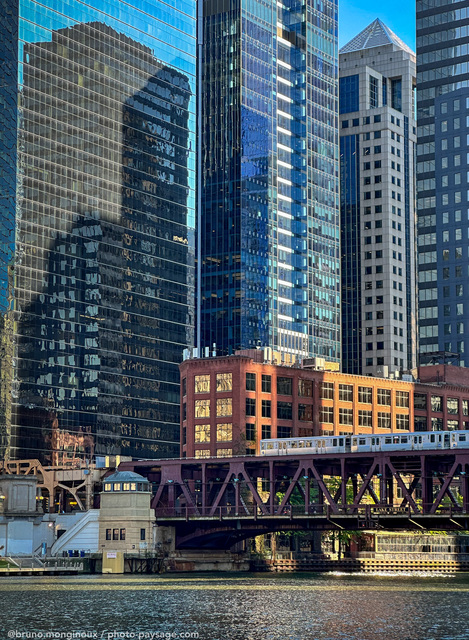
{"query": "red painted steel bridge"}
{"type": "Point", "coordinates": [216, 502]}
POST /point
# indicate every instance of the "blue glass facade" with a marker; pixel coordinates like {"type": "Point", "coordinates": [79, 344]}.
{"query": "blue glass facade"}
{"type": "Point", "coordinates": [349, 94]}
{"type": "Point", "coordinates": [269, 245]}
{"type": "Point", "coordinates": [351, 254]}
{"type": "Point", "coordinates": [442, 178]}
{"type": "Point", "coordinates": [97, 265]}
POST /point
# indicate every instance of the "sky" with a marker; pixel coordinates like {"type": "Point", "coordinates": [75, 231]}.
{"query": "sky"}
{"type": "Point", "coordinates": [398, 15]}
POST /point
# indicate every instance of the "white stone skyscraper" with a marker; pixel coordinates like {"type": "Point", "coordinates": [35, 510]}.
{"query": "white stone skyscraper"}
{"type": "Point", "coordinates": [377, 147]}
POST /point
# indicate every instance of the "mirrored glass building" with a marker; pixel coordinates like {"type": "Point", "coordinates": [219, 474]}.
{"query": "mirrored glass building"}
{"type": "Point", "coordinates": [269, 233]}
{"type": "Point", "coordinates": [97, 197]}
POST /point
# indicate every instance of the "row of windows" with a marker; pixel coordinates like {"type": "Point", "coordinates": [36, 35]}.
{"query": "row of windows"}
{"type": "Point", "coordinates": [119, 534]}
{"type": "Point", "coordinates": [224, 382]}
{"type": "Point", "coordinates": [221, 453]}
{"type": "Point", "coordinates": [437, 404]}
{"type": "Point", "coordinates": [284, 385]}
{"type": "Point", "coordinates": [224, 408]}
{"type": "Point", "coordinates": [224, 432]}
{"type": "Point", "coordinates": [365, 418]}
{"type": "Point", "coordinates": [355, 122]}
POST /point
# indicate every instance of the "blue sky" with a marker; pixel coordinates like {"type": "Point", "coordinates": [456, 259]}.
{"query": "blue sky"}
{"type": "Point", "coordinates": [398, 15]}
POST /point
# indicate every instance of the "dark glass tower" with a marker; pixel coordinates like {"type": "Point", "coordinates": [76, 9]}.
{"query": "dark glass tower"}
{"type": "Point", "coordinates": [442, 176]}
{"type": "Point", "coordinates": [97, 192]}
{"type": "Point", "coordinates": [269, 236]}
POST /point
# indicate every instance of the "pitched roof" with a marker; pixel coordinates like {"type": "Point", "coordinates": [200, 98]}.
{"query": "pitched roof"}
{"type": "Point", "coordinates": [375, 34]}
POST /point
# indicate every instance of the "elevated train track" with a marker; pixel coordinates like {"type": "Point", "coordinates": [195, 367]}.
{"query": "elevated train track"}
{"type": "Point", "coordinates": [215, 502]}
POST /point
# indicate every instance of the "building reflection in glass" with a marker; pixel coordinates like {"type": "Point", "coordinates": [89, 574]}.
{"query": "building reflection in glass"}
{"type": "Point", "coordinates": [104, 259]}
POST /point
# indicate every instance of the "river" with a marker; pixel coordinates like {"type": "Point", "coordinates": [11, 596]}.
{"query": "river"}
{"type": "Point", "coordinates": [301, 606]}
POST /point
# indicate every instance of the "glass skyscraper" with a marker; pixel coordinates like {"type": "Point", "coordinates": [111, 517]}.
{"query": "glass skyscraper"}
{"type": "Point", "coordinates": [269, 234]}
{"type": "Point", "coordinates": [97, 197]}
{"type": "Point", "coordinates": [442, 177]}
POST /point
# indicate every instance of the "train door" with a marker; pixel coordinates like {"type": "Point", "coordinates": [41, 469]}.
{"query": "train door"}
{"type": "Point", "coordinates": [348, 445]}
{"type": "Point", "coordinates": [446, 444]}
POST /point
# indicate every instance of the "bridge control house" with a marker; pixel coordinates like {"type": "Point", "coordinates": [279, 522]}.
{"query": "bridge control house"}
{"type": "Point", "coordinates": [230, 403]}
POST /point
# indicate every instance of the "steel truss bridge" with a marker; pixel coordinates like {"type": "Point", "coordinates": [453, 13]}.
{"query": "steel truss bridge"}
{"type": "Point", "coordinates": [215, 502]}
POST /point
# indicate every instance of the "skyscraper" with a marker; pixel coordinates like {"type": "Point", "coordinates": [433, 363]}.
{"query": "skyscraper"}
{"type": "Point", "coordinates": [377, 147]}
{"type": "Point", "coordinates": [442, 176]}
{"type": "Point", "coordinates": [97, 201]}
{"type": "Point", "coordinates": [269, 234]}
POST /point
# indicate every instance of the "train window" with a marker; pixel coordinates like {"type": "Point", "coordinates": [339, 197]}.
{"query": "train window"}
{"type": "Point", "coordinates": [387, 440]}
{"type": "Point", "coordinates": [462, 438]}
{"type": "Point", "coordinates": [334, 442]}
{"type": "Point", "coordinates": [341, 442]}
{"type": "Point", "coordinates": [354, 442]}
{"type": "Point", "coordinates": [396, 440]}
{"type": "Point", "coordinates": [300, 444]}
{"type": "Point", "coordinates": [420, 439]}
{"type": "Point", "coordinates": [270, 446]}
{"type": "Point", "coordinates": [362, 441]}
{"type": "Point", "coordinates": [372, 441]}
{"type": "Point", "coordinates": [404, 440]}
{"type": "Point", "coordinates": [294, 444]}
{"type": "Point", "coordinates": [309, 443]}
{"type": "Point", "coordinates": [432, 438]}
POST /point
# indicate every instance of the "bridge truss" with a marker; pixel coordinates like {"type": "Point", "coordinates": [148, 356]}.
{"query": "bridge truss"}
{"type": "Point", "coordinates": [217, 501]}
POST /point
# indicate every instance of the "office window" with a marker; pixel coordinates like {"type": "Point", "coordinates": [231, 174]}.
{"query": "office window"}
{"type": "Point", "coordinates": [384, 396]}
{"type": "Point", "coordinates": [224, 432]}
{"type": "Point", "coordinates": [266, 408]}
{"type": "Point", "coordinates": [452, 405]}
{"type": "Point", "coordinates": [250, 406]}
{"type": "Point", "coordinates": [420, 401]}
{"type": "Point", "coordinates": [202, 453]}
{"type": "Point", "coordinates": [326, 414]}
{"type": "Point", "coordinates": [374, 92]}
{"type": "Point", "coordinates": [305, 388]}
{"type": "Point", "coordinates": [250, 431]}
{"type": "Point", "coordinates": [250, 381]}
{"type": "Point", "coordinates": [202, 409]}
{"type": "Point", "coordinates": [437, 404]}
{"type": "Point", "coordinates": [346, 392]}
{"type": "Point", "coordinates": [266, 431]}
{"type": "Point", "coordinates": [326, 390]}
{"type": "Point", "coordinates": [202, 384]}
{"type": "Point", "coordinates": [284, 386]}
{"type": "Point", "coordinates": [402, 421]}
{"type": "Point", "coordinates": [365, 418]}
{"type": "Point", "coordinates": [224, 407]}
{"type": "Point", "coordinates": [224, 381]}
{"type": "Point", "coordinates": [346, 416]}
{"type": "Point", "coordinates": [365, 395]}
{"type": "Point", "coordinates": [402, 398]}
{"type": "Point", "coordinates": [384, 420]}
{"type": "Point", "coordinates": [202, 433]}
{"type": "Point", "coordinates": [305, 412]}
{"type": "Point", "coordinates": [266, 384]}
{"type": "Point", "coordinates": [284, 410]}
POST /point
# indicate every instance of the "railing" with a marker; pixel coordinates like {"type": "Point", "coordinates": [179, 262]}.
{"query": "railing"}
{"type": "Point", "coordinates": [367, 511]}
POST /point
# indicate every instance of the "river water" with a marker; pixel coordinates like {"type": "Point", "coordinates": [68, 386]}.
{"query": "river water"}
{"type": "Point", "coordinates": [301, 606]}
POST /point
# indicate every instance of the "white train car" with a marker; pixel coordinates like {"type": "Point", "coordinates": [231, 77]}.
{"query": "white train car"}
{"type": "Point", "coordinates": [363, 443]}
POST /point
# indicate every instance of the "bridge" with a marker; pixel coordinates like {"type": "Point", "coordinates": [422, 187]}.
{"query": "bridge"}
{"type": "Point", "coordinates": [216, 502]}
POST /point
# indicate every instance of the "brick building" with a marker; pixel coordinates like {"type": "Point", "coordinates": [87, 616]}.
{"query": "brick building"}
{"type": "Point", "coordinates": [230, 403]}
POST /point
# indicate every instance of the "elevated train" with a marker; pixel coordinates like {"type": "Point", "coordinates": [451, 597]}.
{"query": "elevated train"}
{"type": "Point", "coordinates": [366, 442]}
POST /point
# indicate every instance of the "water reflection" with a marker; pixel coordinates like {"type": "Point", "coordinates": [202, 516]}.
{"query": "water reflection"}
{"type": "Point", "coordinates": [243, 607]}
